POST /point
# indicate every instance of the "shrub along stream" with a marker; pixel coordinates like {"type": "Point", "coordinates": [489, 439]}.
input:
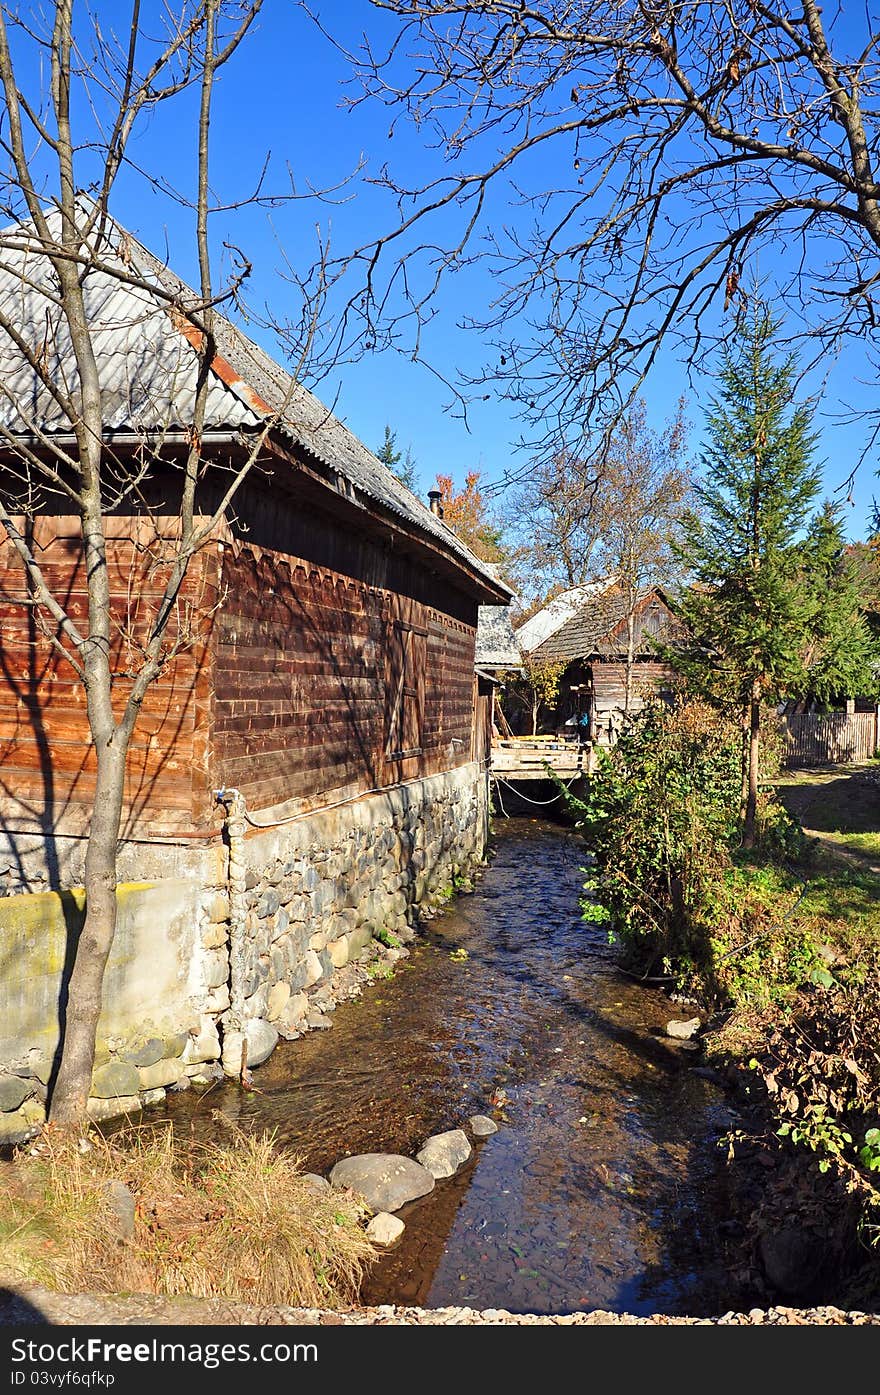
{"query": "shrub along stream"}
{"type": "Point", "coordinates": [780, 945]}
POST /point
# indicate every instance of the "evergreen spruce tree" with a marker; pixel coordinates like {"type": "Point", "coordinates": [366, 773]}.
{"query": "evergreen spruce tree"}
{"type": "Point", "coordinates": [392, 457]}
{"type": "Point", "coordinates": [773, 612]}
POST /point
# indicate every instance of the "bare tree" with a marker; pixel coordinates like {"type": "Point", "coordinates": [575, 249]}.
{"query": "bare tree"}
{"type": "Point", "coordinates": [645, 490]}
{"type": "Point", "coordinates": [559, 522]}
{"type": "Point", "coordinates": [76, 131]}
{"type": "Point", "coordinates": [636, 156]}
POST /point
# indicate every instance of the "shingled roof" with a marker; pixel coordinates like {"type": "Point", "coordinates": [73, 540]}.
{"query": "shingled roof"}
{"type": "Point", "coordinates": [596, 628]}
{"type": "Point", "coordinates": [148, 363]}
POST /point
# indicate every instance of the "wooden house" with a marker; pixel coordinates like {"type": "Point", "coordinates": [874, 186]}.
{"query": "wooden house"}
{"type": "Point", "coordinates": [325, 670]}
{"type": "Point", "coordinates": [586, 629]}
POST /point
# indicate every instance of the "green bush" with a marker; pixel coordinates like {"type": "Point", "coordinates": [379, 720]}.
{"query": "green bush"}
{"type": "Point", "coordinates": [662, 816]}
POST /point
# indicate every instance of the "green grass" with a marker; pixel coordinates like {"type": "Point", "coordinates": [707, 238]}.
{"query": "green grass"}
{"type": "Point", "coordinates": [839, 802]}
{"type": "Point", "coordinates": [865, 843]}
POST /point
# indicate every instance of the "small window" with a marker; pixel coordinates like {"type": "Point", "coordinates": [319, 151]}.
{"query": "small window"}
{"type": "Point", "coordinates": [405, 690]}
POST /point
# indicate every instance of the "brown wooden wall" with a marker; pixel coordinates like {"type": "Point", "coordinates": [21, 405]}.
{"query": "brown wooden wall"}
{"type": "Point", "coordinates": [309, 680]}
{"type": "Point", "coordinates": [288, 692]}
{"type": "Point", "coordinates": [47, 763]}
{"type": "Point", "coordinates": [609, 681]}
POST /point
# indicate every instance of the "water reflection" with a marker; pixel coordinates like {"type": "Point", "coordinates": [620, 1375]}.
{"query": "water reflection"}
{"type": "Point", "coordinates": [602, 1189]}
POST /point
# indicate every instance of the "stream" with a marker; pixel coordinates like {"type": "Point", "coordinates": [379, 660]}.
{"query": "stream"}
{"type": "Point", "coordinates": [603, 1187]}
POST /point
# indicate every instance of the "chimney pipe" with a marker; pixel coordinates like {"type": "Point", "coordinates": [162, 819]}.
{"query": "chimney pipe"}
{"type": "Point", "coordinates": [434, 497]}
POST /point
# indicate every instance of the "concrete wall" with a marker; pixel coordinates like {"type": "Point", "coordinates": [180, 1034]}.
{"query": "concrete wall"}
{"type": "Point", "coordinates": [317, 892]}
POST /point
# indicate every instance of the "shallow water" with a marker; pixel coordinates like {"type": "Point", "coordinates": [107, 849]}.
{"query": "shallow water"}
{"type": "Point", "coordinates": [603, 1186]}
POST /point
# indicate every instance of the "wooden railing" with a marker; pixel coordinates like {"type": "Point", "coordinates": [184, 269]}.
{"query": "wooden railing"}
{"type": "Point", "coordinates": [525, 758]}
{"type": "Point", "coordinates": [830, 738]}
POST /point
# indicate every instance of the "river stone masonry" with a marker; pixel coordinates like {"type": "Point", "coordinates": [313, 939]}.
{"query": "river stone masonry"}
{"type": "Point", "coordinates": [323, 893]}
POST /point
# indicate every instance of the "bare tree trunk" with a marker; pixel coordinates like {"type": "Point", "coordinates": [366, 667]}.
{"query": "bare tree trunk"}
{"type": "Point", "coordinates": [73, 1083]}
{"type": "Point", "coordinates": [630, 658]}
{"type": "Point", "coordinates": [745, 715]}
{"type": "Point", "coordinates": [748, 837]}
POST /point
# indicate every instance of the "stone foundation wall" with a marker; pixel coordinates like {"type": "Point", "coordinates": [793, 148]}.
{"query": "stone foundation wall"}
{"type": "Point", "coordinates": [322, 893]}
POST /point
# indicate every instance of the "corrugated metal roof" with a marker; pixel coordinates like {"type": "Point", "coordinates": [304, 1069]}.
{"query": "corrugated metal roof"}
{"type": "Point", "coordinates": [533, 632]}
{"type": "Point", "coordinates": [148, 373]}
{"type": "Point", "coordinates": [496, 645]}
{"type": "Point", "coordinates": [597, 628]}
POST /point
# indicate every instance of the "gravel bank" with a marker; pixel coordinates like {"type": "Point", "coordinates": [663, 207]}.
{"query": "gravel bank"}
{"type": "Point", "coordinates": [34, 1305]}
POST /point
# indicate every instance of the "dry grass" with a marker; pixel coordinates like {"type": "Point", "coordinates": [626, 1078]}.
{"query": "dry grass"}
{"type": "Point", "coordinates": [233, 1220]}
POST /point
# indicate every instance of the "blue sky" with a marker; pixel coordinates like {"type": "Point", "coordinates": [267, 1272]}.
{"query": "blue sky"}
{"type": "Point", "coordinates": [284, 93]}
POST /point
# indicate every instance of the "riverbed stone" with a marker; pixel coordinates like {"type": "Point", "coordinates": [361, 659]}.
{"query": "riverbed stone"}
{"type": "Point", "coordinates": [160, 1073]}
{"type": "Point", "coordinates": [385, 1230]}
{"type": "Point", "coordinates": [14, 1090]}
{"type": "Point", "coordinates": [115, 1080]}
{"type": "Point", "coordinates": [683, 1031]}
{"type": "Point", "coordinates": [481, 1126]}
{"type": "Point", "coordinates": [279, 995]}
{"type": "Point", "coordinates": [205, 1046]}
{"type": "Point", "coordinates": [338, 952]}
{"type": "Point", "coordinates": [99, 1108]}
{"type": "Point", "coordinates": [291, 1019]}
{"type": "Point", "coordinates": [261, 1041]}
{"type": "Point", "coordinates": [148, 1053]}
{"type": "Point", "coordinates": [444, 1153]}
{"type": "Point", "coordinates": [387, 1181]}
{"type": "Point", "coordinates": [316, 1181]}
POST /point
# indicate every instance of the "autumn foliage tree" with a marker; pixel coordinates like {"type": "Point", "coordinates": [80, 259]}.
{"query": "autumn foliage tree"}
{"type": "Point", "coordinates": [468, 512]}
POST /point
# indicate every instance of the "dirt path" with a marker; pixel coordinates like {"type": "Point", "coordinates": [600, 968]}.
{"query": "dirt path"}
{"type": "Point", "coordinates": [839, 806]}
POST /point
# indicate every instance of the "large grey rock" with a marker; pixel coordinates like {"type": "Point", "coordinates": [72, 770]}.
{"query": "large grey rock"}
{"type": "Point", "coordinates": [175, 1044]}
{"type": "Point", "coordinates": [316, 1181]}
{"type": "Point", "coordinates": [293, 1015]}
{"type": "Point", "coordinates": [160, 1073]}
{"type": "Point", "coordinates": [148, 1053]}
{"type": "Point", "coordinates": [278, 998]}
{"type": "Point", "coordinates": [23, 1122]}
{"type": "Point", "coordinates": [387, 1181]}
{"type": "Point", "coordinates": [115, 1080]}
{"type": "Point", "coordinates": [385, 1230]}
{"type": "Point", "coordinates": [262, 1039]}
{"type": "Point", "coordinates": [14, 1090]}
{"type": "Point", "coordinates": [444, 1153]}
{"type": "Point", "coordinates": [481, 1126]}
{"type": "Point", "coordinates": [683, 1031]}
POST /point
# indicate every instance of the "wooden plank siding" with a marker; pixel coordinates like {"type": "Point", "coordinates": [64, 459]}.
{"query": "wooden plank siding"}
{"type": "Point", "coordinates": [320, 676]}
{"type": "Point", "coordinates": [830, 738]}
{"type": "Point", "coordinates": [47, 762]}
{"type": "Point", "coordinates": [287, 691]}
{"type": "Point", "coordinates": [649, 676]}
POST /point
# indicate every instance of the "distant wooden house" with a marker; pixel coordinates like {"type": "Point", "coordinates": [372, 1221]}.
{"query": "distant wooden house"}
{"type": "Point", "coordinates": [330, 665]}
{"type": "Point", "coordinates": [585, 628]}
{"type": "Point", "coordinates": [497, 654]}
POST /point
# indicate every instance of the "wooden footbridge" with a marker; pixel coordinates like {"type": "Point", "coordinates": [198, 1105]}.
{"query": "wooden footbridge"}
{"type": "Point", "coordinates": [527, 758]}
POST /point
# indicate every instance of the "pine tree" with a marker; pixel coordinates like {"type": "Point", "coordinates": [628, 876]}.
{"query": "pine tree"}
{"type": "Point", "coordinates": [772, 613]}
{"type": "Point", "coordinates": [391, 456]}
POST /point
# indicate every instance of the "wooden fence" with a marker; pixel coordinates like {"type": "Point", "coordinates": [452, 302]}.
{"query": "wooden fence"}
{"type": "Point", "coordinates": [830, 738]}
